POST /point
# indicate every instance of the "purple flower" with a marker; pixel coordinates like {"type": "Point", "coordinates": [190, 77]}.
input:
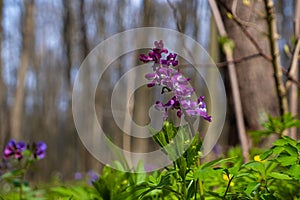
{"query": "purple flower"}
{"type": "Point", "coordinates": [159, 44]}
{"type": "Point", "coordinates": [173, 80]}
{"type": "Point", "coordinates": [40, 150]}
{"type": "Point", "coordinates": [78, 176]}
{"type": "Point", "coordinates": [155, 54]}
{"type": "Point", "coordinates": [196, 108]}
{"type": "Point", "coordinates": [171, 59]}
{"type": "Point", "coordinates": [14, 149]}
{"type": "Point", "coordinates": [145, 58]}
{"type": "Point", "coordinates": [173, 104]}
{"type": "Point", "coordinates": [93, 176]}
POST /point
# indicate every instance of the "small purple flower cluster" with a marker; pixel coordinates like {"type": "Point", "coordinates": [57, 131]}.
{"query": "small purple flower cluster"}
{"type": "Point", "coordinates": [14, 149]}
{"type": "Point", "coordinates": [39, 150]}
{"type": "Point", "coordinates": [166, 75]}
{"type": "Point", "coordinates": [91, 175]}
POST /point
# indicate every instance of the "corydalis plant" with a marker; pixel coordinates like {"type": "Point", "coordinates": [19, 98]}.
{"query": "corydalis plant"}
{"type": "Point", "coordinates": [168, 75]}
{"type": "Point", "coordinates": [21, 156]}
{"type": "Point", "coordinates": [16, 149]}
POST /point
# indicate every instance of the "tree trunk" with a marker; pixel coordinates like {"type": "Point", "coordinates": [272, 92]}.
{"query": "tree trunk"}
{"type": "Point", "coordinates": [255, 76]}
{"type": "Point", "coordinates": [27, 36]}
{"type": "Point", "coordinates": [3, 118]}
{"type": "Point", "coordinates": [141, 100]}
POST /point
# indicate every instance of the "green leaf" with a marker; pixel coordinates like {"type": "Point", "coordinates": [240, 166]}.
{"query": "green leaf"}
{"type": "Point", "coordinates": [216, 162]}
{"type": "Point", "coordinates": [279, 124]}
{"type": "Point", "coordinates": [298, 145]}
{"type": "Point", "coordinates": [152, 180]}
{"type": "Point", "coordinates": [165, 180]}
{"type": "Point", "coordinates": [192, 153]}
{"type": "Point", "coordinates": [294, 172]}
{"type": "Point", "coordinates": [286, 160]}
{"type": "Point", "coordinates": [146, 192]}
{"type": "Point", "coordinates": [278, 149]}
{"type": "Point", "coordinates": [216, 195]}
{"type": "Point", "coordinates": [266, 154]}
{"type": "Point", "coordinates": [13, 174]}
{"type": "Point", "coordinates": [118, 165]}
{"type": "Point", "coordinates": [102, 188]}
{"type": "Point", "coordinates": [234, 170]}
{"type": "Point", "coordinates": [242, 174]}
{"type": "Point", "coordinates": [202, 174]}
{"type": "Point", "coordinates": [181, 163]}
{"type": "Point", "coordinates": [133, 192]}
{"type": "Point", "coordinates": [285, 140]}
{"type": "Point", "coordinates": [280, 176]}
{"type": "Point", "coordinates": [256, 166]}
{"type": "Point", "coordinates": [251, 187]}
{"type": "Point", "coordinates": [292, 150]}
{"type": "Point", "coordinates": [268, 197]}
{"type": "Point", "coordinates": [259, 133]}
{"type": "Point", "coordinates": [225, 41]}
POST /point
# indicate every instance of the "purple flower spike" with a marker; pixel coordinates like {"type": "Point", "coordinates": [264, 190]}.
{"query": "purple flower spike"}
{"type": "Point", "coordinates": [156, 53]}
{"type": "Point", "coordinates": [14, 149]}
{"type": "Point", "coordinates": [40, 151]}
{"type": "Point", "coordinates": [173, 80]}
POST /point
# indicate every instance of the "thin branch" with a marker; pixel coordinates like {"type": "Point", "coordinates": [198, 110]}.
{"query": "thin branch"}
{"type": "Point", "coordinates": [290, 78]}
{"type": "Point", "coordinates": [280, 89]}
{"type": "Point", "coordinates": [238, 60]}
{"type": "Point", "coordinates": [234, 83]}
{"type": "Point", "coordinates": [293, 70]}
{"type": "Point", "coordinates": [243, 22]}
{"type": "Point", "coordinates": [247, 34]}
{"type": "Point", "coordinates": [294, 100]}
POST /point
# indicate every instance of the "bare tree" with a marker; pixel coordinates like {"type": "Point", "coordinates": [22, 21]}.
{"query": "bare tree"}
{"type": "Point", "coordinates": [3, 118]}
{"type": "Point", "coordinates": [27, 39]}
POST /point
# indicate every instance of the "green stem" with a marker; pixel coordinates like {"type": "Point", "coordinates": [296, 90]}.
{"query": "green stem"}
{"type": "Point", "coordinates": [22, 181]}
{"type": "Point", "coordinates": [201, 189]}
{"type": "Point", "coordinates": [184, 188]}
{"type": "Point", "coordinates": [21, 186]}
{"type": "Point", "coordinates": [228, 185]}
{"type": "Point", "coordinates": [174, 191]}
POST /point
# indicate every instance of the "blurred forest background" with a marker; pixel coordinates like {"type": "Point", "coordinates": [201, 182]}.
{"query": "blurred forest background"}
{"type": "Point", "coordinates": [43, 44]}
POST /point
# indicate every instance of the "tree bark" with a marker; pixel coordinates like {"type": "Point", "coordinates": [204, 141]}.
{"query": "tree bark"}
{"type": "Point", "coordinates": [255, 76]}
